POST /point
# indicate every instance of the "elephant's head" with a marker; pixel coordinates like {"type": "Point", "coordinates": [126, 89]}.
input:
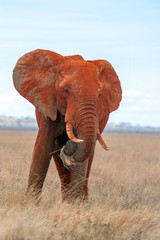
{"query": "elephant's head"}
{"type": "Point", "coordinates": [85, 92]}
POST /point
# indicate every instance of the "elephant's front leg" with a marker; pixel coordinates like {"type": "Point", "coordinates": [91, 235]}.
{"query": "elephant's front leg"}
{"type": "Point", "coordinates": [41, 158]}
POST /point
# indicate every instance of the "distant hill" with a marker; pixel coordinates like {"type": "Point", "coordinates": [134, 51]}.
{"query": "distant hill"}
{"type": "Point", "coordinates": [28, 123]}
{"type": "Point", "coordinates": [128, 128]}
{"type": "Point", "coordinates": [12, 123]}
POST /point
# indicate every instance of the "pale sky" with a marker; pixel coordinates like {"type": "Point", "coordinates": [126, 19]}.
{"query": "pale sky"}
{"type": "Point", "coordinates": [124, 32]}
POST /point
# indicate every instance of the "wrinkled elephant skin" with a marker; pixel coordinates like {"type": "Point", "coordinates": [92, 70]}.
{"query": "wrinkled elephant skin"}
{"type": "Point", "coordinates": [73, 99]}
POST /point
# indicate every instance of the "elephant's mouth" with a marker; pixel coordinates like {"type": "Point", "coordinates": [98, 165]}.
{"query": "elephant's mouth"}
{"type": "Point", "coordinates": [67, 149]}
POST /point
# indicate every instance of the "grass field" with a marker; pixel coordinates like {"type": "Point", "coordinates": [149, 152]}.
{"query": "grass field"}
{"type": "Point", "coordinates": [124, 193]}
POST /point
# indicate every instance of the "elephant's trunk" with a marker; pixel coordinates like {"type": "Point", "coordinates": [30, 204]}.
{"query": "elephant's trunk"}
{"type": "Point", "coordinates": [86, 128]}
{"type": "Point", "coordinates": [82, 125]}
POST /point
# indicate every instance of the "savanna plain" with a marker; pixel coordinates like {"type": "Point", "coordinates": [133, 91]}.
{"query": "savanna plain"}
{"type": "Point", "coordinates": [124, 193]}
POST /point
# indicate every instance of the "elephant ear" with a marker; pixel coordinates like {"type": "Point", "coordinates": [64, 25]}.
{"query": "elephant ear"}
{"type": "Point", "coordinates": [34, 78]}
{"type": "Point", "coordinates": [111, 87]}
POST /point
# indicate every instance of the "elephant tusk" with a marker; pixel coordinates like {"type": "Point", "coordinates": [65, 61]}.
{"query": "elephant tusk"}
{"type": "Point", "coordinates": [101, 141]}
{"type": "Point", "coordinates": [71, 135]}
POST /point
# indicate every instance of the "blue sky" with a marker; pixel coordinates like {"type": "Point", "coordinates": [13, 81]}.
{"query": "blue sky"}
{"type": "Point", "coordinates": [124, 32]}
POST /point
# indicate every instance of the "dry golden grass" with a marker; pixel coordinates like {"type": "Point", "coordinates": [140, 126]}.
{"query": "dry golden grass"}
{"type": "Point", "coordinates": [124, 193]}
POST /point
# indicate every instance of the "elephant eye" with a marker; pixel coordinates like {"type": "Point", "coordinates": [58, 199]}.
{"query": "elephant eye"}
{"type": "Point", "coordinates": [66, 91]}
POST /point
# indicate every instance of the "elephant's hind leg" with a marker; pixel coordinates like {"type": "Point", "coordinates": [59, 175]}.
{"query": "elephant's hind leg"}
{"type": "Point", "coordinates": [63, 172]}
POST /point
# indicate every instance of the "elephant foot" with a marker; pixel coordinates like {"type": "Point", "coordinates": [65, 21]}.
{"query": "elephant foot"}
{"type": "Point", "coordinates": [34, 194]}
{"type": "Point", "coordinates": [71, 196]}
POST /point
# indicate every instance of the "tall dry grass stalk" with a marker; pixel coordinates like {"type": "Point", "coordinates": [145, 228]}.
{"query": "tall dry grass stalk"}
{"type": "Point", "coordinates": [124, 193]}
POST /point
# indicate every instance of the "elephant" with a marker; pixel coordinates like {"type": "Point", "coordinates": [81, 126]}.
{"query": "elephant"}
{"type": "Point", "coordinates": [73, 98]}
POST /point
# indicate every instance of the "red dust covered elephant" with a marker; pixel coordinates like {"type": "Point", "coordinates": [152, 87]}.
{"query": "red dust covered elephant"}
{"type": "Point", "coordinates": [73, 99]}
